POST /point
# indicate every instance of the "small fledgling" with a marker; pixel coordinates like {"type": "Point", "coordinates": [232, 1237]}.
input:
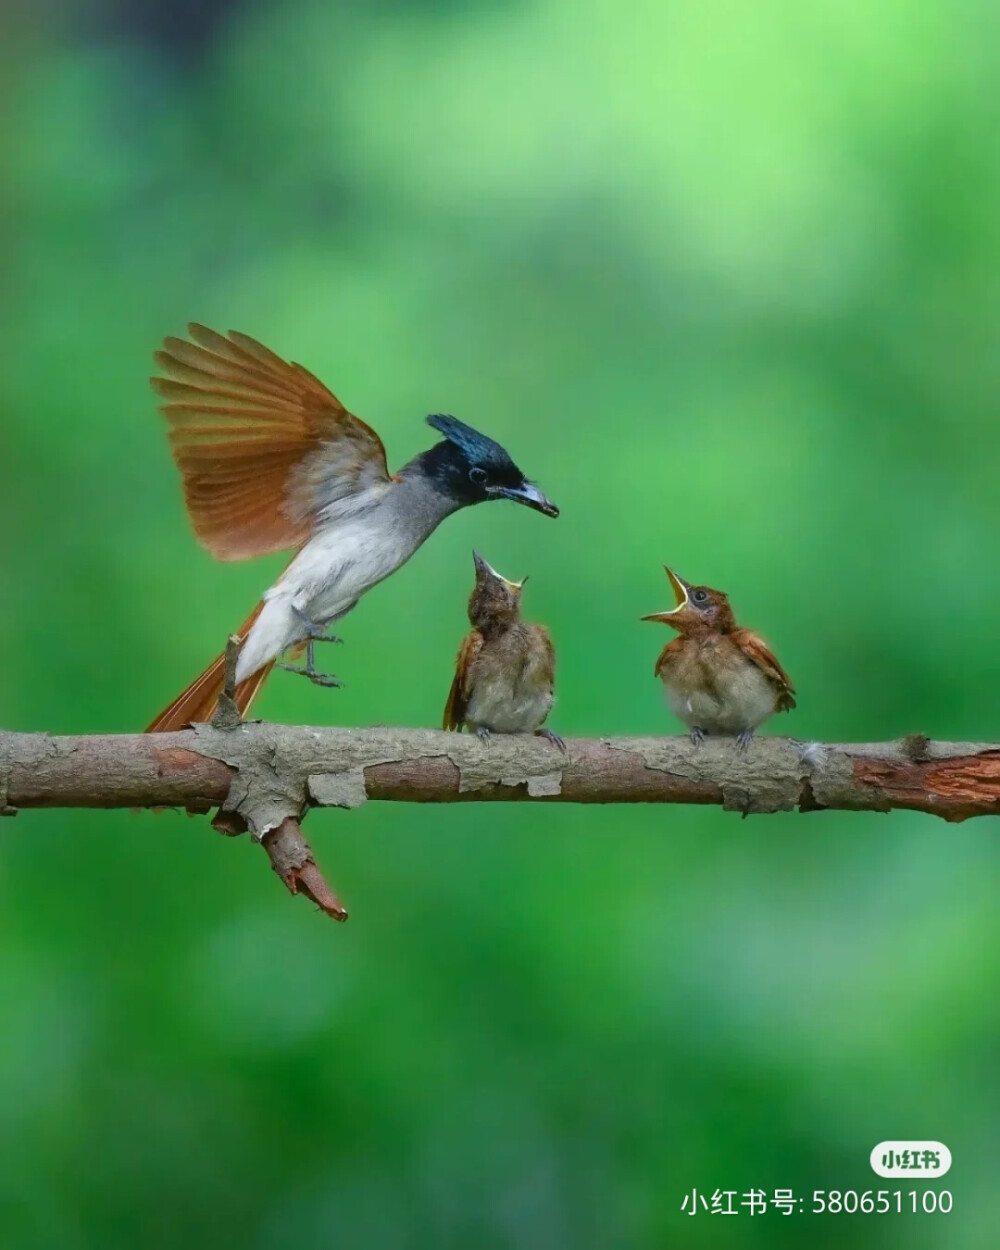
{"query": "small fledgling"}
{"type": "Point", "coordinates": [719, 679]}
{"type": "Point", "coordinates": [505, 671]}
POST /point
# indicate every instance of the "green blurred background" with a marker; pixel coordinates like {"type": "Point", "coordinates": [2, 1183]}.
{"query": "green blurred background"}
{"type": "Point", "coordinates": [723, 277]}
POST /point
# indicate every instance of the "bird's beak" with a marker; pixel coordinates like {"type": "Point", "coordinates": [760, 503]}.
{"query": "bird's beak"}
{"type": "Point", "coordinates": [485, 570]}
{"type": "Point", "coordinates": [527, 494]}
{"type": "Point", "coordinates": [680, 588]}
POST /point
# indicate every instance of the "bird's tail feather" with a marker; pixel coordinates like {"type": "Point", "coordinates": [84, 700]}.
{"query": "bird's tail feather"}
{"type": "Point", "coordinates": [199, 701]}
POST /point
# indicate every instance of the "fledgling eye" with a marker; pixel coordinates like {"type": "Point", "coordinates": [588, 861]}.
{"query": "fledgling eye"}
{"type": "Point", "coordinates": [477, 475]}
{"type": "Point", "coordinates": [699, 596]}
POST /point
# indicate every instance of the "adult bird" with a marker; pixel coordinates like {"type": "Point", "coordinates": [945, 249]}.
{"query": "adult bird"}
{"type": "Point", "coordinates": [506, 669]}
{"type": "Point", "coordinates": [718, 678]}
{"type": "Point", "coordinates": [270, 459]}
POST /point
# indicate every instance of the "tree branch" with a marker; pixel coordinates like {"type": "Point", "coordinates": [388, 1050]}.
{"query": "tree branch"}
{"type": "Point", "coordinates": [227, 714]}
{"type": "Point", "coordinates": [267, 772]}
{"type": "Point", "coordinates": [292, 859]}
{"type": "Point", "coordinates": [264, 777]}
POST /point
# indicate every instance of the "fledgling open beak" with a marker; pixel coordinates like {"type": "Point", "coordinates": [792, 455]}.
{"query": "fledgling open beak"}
{"type": "Point", "coordinates": [680, 588]}
{"type": "Point", "coordinates": [485, 569]}
{"type": "Point", "coordinates": [527, 494]}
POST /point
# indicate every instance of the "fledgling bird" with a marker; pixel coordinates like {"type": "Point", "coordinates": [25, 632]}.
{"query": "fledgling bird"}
{"type": "Point", "coordinates": [270, 459]}
{"type": "Point", "coordinates": [506, 669]}
{"type": "Point", "coordinates": [718, 678]}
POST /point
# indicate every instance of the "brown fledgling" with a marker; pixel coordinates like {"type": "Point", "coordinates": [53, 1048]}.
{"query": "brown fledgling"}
{"type": "Point", "coordinates": [719, 678]}
{"type": "Point", "coordinates": [506, 670]}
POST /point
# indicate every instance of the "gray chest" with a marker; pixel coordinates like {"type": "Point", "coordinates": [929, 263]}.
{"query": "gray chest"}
{"type": "Point", "coordinates": [511, 691]}
{"type": "Point", "coordinates": [723, 698]}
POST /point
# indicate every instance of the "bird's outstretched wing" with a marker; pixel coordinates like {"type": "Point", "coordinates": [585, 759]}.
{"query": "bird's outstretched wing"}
{"type": "Point", "coordinates": [261, 444]}
{"type": "Point", "coordinates": [756, 649]}
{"type": "Point", "coordinates": [461, 691]}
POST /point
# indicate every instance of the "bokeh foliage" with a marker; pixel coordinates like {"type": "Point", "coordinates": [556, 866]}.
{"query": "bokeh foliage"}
{"type": "Point", "coordinates": [723, 276]}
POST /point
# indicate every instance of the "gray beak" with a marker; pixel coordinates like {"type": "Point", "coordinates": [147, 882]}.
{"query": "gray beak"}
{"type": "Point", "coordinates": [527, 494]}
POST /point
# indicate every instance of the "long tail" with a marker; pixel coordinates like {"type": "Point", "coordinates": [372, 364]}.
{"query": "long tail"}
{"type": "Point", "coordinates": [198, 702]}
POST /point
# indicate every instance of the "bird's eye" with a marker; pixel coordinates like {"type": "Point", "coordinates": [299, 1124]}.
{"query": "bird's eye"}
{"type": "Point", "coordinates": [699, 596]}
{"type": "Point", "coordinates": [477, 475]}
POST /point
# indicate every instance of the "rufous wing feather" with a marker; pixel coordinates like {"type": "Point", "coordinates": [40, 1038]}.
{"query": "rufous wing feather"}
{"type": "Point", "coordinates": [544, 652]}
{"type": "Point", "coordinates": [548, 651]}
{"type": "Point", "coordinates": [756, 649]}
{"type": "Point", "coordinates": [460, 692]}
{"type": "Point", "coordinates": [198, 702]}
{"type": "Point", "coordinates": [670, 653]}
{"type": "Point", "coordinates": [261, 444]}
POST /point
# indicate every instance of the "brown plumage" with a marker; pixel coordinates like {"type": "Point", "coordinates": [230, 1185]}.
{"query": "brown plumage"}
{"type": "Point", "coordinates": [261, 444]}
{"type": "Point", "coordinates": [505, 672]}
{"type": "Point", "coordinates": [257, 439]}
{"type": "Point", "coordinates": [719, 678]}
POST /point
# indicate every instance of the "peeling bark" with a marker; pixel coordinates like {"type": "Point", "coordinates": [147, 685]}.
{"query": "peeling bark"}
{"type": "Point", "coordinates": [265, 773]}
{"type": "Point", "coordinates": [263, 778]}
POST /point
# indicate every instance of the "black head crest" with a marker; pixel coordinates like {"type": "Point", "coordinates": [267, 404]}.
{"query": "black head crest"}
{"type": "Point", "coordinates": [470, 468]}
{"type": "Point", "coordinates": [477, 448]}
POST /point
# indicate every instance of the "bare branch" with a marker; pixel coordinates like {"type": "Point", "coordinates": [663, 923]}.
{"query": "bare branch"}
{"type": "Point", "coordinates": [264, 777]}
{"type": "Point", "coordinates": [267, 772]}
{"type": "Point", "coordinates": [292, 859]}
{"type": "Point", "coordinates": [227, 714]}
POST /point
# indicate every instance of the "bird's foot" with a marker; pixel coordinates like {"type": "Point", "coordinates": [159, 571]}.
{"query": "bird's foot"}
{"type": "Point", "coordinates": [325, 679]}
{"type": "Point", "coordinates": [743, 741]}
{"type": "Point", "coordinates": [318, 679]}
{"type": "Point", "coordinates": [549, 736]}
{"type": "Point", "coordinates": [309, 669]}
{"type": "Point", "coordinates": [697, 735]}
{"type": "Point", "coordinates": [314, 632]}
{"type": "Point", "coordinates": [483, 734]}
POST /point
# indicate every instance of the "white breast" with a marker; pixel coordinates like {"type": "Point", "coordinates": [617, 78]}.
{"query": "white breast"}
{"type": "Point", "coordinates": [335, 568]}
{"type": "Point", "coordinates": [326, 579]}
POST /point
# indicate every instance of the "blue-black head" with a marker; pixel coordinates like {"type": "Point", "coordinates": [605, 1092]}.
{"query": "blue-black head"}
{"type": "Point", "coordinates": [471, 468]}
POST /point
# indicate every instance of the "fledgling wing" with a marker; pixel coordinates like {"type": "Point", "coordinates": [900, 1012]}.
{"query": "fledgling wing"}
{"type": "Point", "coordinates": [756, 649]}
{"type": "Point", "coordinates": [261, 444]}
{"type": "Point", "coordinates": [670, 654]}
{"type": "Point", "coordinates": [461, 687]}
{"type": "Point", "coordinates": [541, 656]}
{"type": "Point", "coordinates": [544, 663]}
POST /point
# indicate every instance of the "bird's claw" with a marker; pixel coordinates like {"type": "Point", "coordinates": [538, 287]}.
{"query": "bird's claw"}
{"type": "Point", "coordinates": [549, 736]}
{"type": "Point", "coordinates": [325, 679]}
{"type": "Point", "coordinates": [318, 679]}
{"type": "Point", "coordinates": [697, 735]}
{"type": "Point", "coordinates": [743, 741]}
{"type": "Point", "coordinates": [483, 734]}
{"type": "Point", "coordinates": [309, 669]}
